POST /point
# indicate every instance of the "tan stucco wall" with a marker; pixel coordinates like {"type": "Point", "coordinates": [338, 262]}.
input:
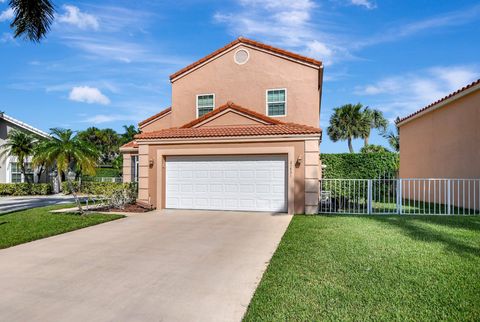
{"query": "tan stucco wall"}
{"type": "Point", "coordinates": [444, 143]}
{"type": "Point", "coordinates": [164, 122]}
{"type": "Point", "coordinates": [149, 176]}
{"type": "Point", "coordinates": [246, 85]}
{"type": "Point", "coordinates": [230, 119]}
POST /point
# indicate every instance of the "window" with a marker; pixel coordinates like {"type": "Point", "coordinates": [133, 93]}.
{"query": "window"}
{"type": "Point", "coordinates": [135, 168]}
{"type": "Point", "coordinates": [277, 102]}
{"type": "Point", "coordinates": [205, 104]}
{"type": "Point", "coordinates": [16, 173]}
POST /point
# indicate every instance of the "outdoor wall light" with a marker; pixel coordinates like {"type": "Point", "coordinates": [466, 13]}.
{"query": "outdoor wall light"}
{"type": "Point", "coordinates": [150, 163]}
{"type": "Point", "coordinates": [299, 161]}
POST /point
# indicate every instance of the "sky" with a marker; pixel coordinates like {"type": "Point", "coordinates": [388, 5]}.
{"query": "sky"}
{"type": "Point", "coordinates": [106, 63]}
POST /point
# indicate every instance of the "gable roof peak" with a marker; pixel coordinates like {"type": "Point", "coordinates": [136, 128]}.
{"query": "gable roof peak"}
{"type": "Point", "coordinates": [253, 43]}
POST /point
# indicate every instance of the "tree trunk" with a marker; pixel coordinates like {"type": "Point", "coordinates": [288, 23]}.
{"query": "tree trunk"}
{"type": "Point", "coordinates": [74, 193]}
{"type": "Point", "coordinates": [365, 141]}
{"type": "Point", "coordinates": [24, 171]}
{"type": "Point", "coordinates": [350, 146]}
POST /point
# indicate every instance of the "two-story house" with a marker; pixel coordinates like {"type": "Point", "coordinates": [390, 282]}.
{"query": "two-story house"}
{"type": "Point", "coordinates": [242, 134]}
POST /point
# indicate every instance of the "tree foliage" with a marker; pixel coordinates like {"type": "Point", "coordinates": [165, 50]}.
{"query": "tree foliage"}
{"type": "Point", "coordinates": [347, 123]}
{"type": "Point", "coordinates": [359, 165]}
{"type": "Point", "coordinates": [32, 18]}
{"type": "Point", "coordinates": [372, 148]}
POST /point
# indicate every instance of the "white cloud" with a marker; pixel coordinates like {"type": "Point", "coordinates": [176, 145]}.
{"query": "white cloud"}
{"type": "Point", "coordinates": [402, 94]}
{"type": "Point", "coordinates": [364, 3]}
{"type": "Point", "coordinates": [73, 16]}
{"type": "Point", "coordinates": [87, 94]}
{"type": "Point", "coordinates": [6, 37]}
{"type": "Point", "coordinates": [7, 14]}
{"type": "Point", "coordinates": [287, 24]}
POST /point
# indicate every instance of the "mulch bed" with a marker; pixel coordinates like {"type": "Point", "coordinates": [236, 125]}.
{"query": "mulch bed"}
{"type": "Point", "coordinates": [127, 208]}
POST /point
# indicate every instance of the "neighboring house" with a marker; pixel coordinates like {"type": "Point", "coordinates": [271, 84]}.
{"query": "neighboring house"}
{"type": "Point", "coordinates": [442, 140]}
{"type": "Point", "coordinates": [9, 168]}
{"type": "Point", "coordinates": [241, 134]}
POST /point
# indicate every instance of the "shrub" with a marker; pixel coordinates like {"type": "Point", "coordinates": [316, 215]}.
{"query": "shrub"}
{"type": "Point", "coordinates": [100, 188]}
{"type": "Point", "coordinates": [360, 165]}
{"type": "Point", "coordinates": [25, 189]}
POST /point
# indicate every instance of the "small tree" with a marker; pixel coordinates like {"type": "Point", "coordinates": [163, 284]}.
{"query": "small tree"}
{"type": "Point", "coordinates": [70, 154]}
{"type": "Point", "coordinates": [372, 148]}
{"type": "Point", "coordinates": [21, 145]}
{"type": "Point", "coordinates": [393, 137]}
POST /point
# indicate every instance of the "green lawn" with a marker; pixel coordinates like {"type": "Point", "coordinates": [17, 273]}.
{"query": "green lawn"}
{"type": "Point", "coordinates": [27, 225]}
{"type": "Point", "coordinates": [380, 268]}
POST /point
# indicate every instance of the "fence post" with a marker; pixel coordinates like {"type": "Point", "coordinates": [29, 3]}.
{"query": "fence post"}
{"type": "Point", "coordinates": [399, 196]}
{"type": "Point", "coordinates": [449, 197]}
{"type": "Point", "coordinates": [369, 196]}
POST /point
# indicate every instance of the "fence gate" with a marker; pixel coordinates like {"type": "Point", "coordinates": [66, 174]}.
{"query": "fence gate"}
{"type": "Point", "coordinates": [400, 196]}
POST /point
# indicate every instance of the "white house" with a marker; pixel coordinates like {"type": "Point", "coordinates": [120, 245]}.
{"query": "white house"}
{"type": "Point", "coordinates": [9, 168]}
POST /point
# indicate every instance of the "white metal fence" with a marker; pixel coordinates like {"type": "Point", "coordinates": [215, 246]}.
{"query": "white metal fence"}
{"type": "Point", "coordinates": [400, 196]}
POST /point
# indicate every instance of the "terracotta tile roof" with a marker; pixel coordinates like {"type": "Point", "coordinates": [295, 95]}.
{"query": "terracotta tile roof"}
{"type": "Point", "coordinates": [131, 144]}
{"type": "Point", "coordinates": [233, 106]}
{"type": "Point", "coordinates": [252, 43]}
{"type": "Point", "coordinates": [151, 118]}
{"type": "Point", "coordinates": [477, 82]}
{"type": "Point", "coordinates": [204, 132]}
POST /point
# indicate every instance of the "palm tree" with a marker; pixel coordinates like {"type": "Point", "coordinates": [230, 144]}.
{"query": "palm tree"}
{"type": "Point", "coordinates": [21, 145]}
{"type": "Point", "coordinates": [130, 132]}
{"type": "Point", "coordinates": [347, 123]}
{"type": "Point", "coordinates": [32, 18]}
{"type": "Point", "coordinates": [373, 120]}
{"type": "Point", "coordinates": [393, 137]}
{"type": "Point", "coordinates": [70, 154]}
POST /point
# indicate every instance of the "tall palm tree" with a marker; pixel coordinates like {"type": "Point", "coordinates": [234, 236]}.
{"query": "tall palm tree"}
{"type": "Point", "coordinates": [21, 145]}
{"type": "Point", "coordinates": [373, 120]}
{"type": "Point", "coordinates": [70, 154]}
{"type": "Point", "coordinates": [32, 18]}
{"type": "Point", "coordinates": [347, 123]}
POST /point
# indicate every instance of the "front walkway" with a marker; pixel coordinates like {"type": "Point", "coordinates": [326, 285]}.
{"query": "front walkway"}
{"type": "Point", "coordinates": [174, 266]}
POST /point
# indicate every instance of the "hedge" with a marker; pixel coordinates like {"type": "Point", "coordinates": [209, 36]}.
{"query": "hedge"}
{"type": "Point", "coordinates": [107, 172]}
{"type": "Point", "coordinates": [98, 188]}
{"type": "Point", "coordinates": [360, 165]}
{"type": "Point", "coordinates": [25, 189]}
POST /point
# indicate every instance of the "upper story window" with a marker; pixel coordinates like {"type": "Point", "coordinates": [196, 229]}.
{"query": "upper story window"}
{"type": "Point", "coordinates": [277, 102]}
{"type": "Point", "coordinates": [205, 104]}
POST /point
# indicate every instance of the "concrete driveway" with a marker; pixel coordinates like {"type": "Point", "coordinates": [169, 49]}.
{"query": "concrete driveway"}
{"type": "Point", "coordinates": [9, 204]}
{"type": "Point", "coordinates": [174, 266]}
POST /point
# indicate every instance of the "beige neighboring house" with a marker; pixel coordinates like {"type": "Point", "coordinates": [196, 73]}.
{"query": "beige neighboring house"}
{"type": "Point", "coordinates": [442, 140]}
{"type": "Point", "coordinates": [242, 134]}
{"type": "Point", "coordinates": [9, 168]}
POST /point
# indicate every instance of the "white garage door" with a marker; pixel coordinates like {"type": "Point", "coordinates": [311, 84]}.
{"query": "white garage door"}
{"type": "Point", "coordinates": [251, 183]}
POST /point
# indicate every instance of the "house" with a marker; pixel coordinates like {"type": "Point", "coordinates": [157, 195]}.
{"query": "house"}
{"type": "Point", "coordinates": [242, 133]}
{"type": "Point", "coordinates": [442, 140]}
{"type": "Point", "coordinates": [9, 168]}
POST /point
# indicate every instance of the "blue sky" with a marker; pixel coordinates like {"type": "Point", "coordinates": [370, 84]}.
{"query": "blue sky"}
{"type": "Point", "coordinates": [106, 63]}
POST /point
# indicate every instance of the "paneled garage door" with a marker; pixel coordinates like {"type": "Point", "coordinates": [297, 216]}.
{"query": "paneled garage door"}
{"type": "Point", "coordinates": [251, 183]}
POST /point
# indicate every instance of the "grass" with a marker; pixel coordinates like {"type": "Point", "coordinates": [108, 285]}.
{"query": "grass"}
{"type": "Point", "coordinates": [27, 225]}
{"type": "Point", "coordinates": [347, 268]}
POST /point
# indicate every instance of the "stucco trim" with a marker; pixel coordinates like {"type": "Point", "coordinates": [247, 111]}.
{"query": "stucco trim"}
{"type": "Point", "coordinates": [229, 110]}
{"type": "Point", "coordinates": [289, 151]}
{"type": "Point", "coordinates": [155, 118]}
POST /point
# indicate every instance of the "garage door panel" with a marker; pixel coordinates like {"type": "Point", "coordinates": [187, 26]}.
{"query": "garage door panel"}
{"type": "Point", "coordinates": [227, 183]}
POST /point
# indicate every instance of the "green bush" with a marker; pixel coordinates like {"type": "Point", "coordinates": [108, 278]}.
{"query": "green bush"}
{"type": "Point", "coordinates": [25, 189]}
{"type": "Point", "coordinates": [99, 188]}
{"type": "Point", "coordinates": [360, 165]}
{"type": "Point", "coordinates": [107, 172]}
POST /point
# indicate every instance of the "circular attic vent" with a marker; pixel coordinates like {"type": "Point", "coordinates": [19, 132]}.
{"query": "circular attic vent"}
{"type": "Point", "coordinates": [241, 56]}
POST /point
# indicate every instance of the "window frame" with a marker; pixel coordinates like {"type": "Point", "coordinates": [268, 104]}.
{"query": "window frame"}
{"type": "Point", "coordinates": [196, 102]}
{"type": "Point", "coordinates": [266, 102]}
